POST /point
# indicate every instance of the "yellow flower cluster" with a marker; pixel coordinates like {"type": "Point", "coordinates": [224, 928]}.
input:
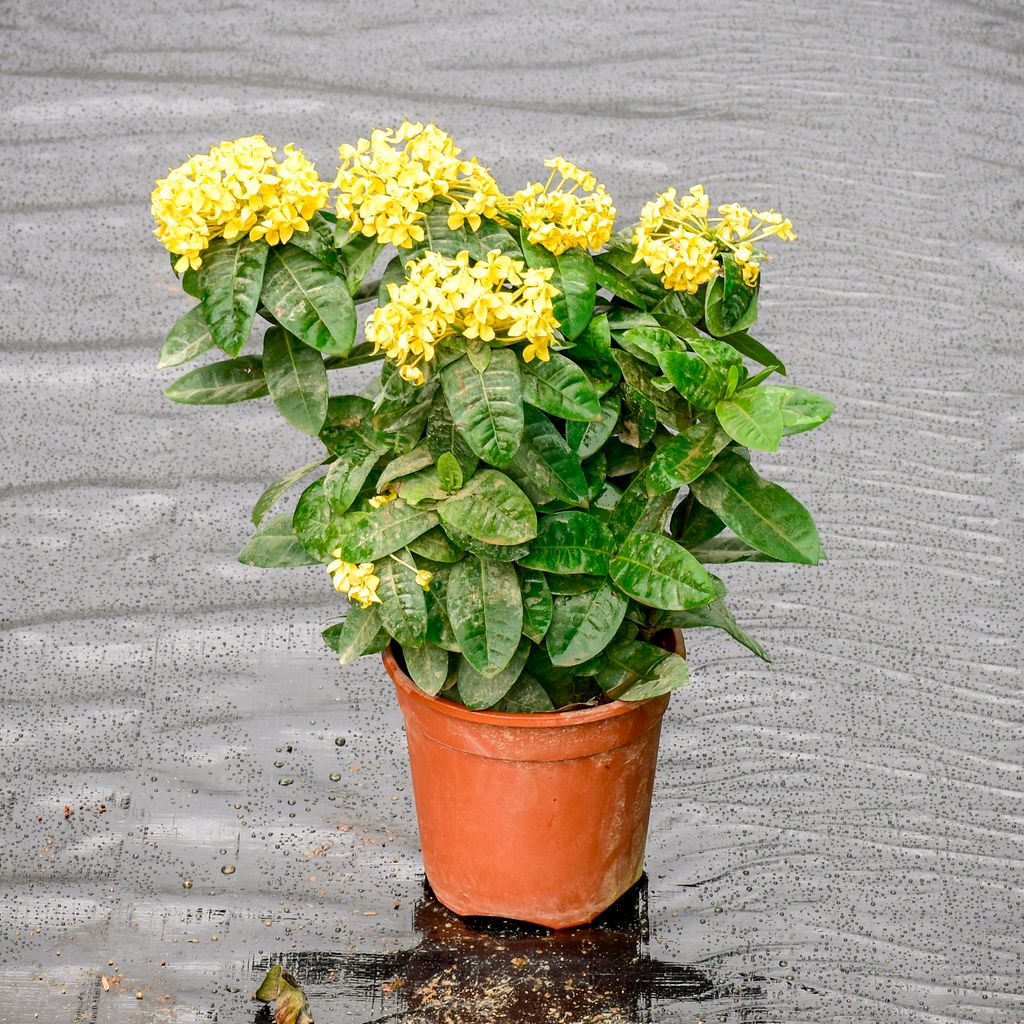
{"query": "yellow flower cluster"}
{"type": "Point", "coordinates": [678, 240]}
{"type": "Point", "coordinates": [560, 219]}
{"type": "Point", "coordinates": [494, 299]}
{"type": "Point", "coordinates": [236, 188]}
{"type": "Point", "coordinates": [357, 581]}
{"type": "Point", "coordinates": [384, 181]}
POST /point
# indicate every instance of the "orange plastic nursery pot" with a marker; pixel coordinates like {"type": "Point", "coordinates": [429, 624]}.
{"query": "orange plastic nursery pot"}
{"type": "Point", "coordinates": [535, 817]}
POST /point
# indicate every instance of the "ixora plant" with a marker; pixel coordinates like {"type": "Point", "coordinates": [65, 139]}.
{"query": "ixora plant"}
{"type": "Point", "coordinates": [556, 454]}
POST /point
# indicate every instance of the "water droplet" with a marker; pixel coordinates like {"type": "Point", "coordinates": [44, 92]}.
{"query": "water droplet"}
{"type": "Point", "coordinates": [228, 869]}
{"type": "Point", "coordinates": [285, 781]}
{"type": "Point", "coordinates": [186, 883]}
{"type": "Point", "coordinates": [279, 764]}
{"type": "Point", "coordinates": [339, 741]}
{"type": "Point", "coordinates": [335, 776]}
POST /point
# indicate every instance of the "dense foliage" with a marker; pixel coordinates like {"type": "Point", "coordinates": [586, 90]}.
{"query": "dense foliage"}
{"type": "Point", "coordinates": [556, 454]}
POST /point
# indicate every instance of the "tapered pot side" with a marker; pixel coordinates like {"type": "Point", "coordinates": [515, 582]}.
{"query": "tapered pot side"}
{"type": "Point", "coordinates": [535, 817]}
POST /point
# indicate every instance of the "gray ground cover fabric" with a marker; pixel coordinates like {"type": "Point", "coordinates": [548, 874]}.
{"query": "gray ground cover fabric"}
{"type": "Point", "coordinates": [836, 837]}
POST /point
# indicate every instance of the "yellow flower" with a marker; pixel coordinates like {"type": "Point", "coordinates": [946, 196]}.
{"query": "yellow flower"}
{"type": "Point", "coordinates": [237, 188]}
{"type": "Point", "coordinates": [496, 300]}
{"type": "Point", "coordinates": [423, 578]}
{"type": "Point", "coordinates": [384, 181]}
{"type": "Point", "coordinates": [677, 240]}
{"type": "Point", "coordinates": [357, 581]}
{"type": "Point", "coordinates": [388, 494]}
{"type": "Point", "coordinates": [559, 219]}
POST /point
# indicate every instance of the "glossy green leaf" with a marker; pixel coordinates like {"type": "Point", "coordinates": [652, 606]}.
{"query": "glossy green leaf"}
{"type": "Point", "coordinates": [449, 473]}
{"type": "Point", "coordinates": [536, 603]}
{"type": "Point", "coordinates": [275, 546]}
{"type": "Point", "coordinates": [402, 465]}
{"type": "Point", "coordinates": [639, 671]}
{"type": "Point", "coordinates": [316, 524]}
{"type": "Point", "coordinates": [401, 409]}
{"type": "Point", "coordinates": [487, 407]}
{"type": "Point", "coordinates": [279, 487]}
{"type": "Point", "coordinates": [351, 639]}
{"type": "Point", "coordinates": [582, 625]}
{"type": "Point", "coordinates": [348, 415]}
{"type": "Point", "coordinates": [318, 240]}
{"type": "Point", "coordinates": [527, 696]}
{"type": "Point", "coordinates": [439, 628]}
{"type": "Point", "coordinates": [296, 379]}
{"type": "Point", "coordinates": [619, 284]}
{"type": "Point", "coordinates": [356, 255]}
{"type": "Point", "coordinates": [367, 536]}
{"type": "Point", "coordinates": [560, 388]}
{"type": "Point", "coordinates": [637, 510]}
{"type": "Point", "coordinates": [729, 304]}
{"type": "Point", "coordinates": [435, 545]}
{"type": "Point", "coordinates": [753, 418]}
{"type": "Point", "coordinates": [570, 542]}
{"type": "Point", "coordinates": [309, 300]}
{"type": "Point", "coordinates": [231, 380]}
{"type": "Point", "coordinates": [716, 615]}
{"type": "Point", "coordinates": [575, 280]}
{"type": "Point", "coordinates": [491, 509]}
{"type": "Point", "coordinates": [693, 524]}
{"type": "Point", "coordinates": [479, 691]}
{"type": "Point", "coordinates": [692, 378]}
{"type": "Point", "coordinates": [230, 281]}
{"type": "Point", "coordinates": [486, 612]}
{"type": "Point", "coordinates": [638, 421]}
{"type": "Point", "coordinates": [427, 666]}
{"type": "Point", "coordinates": [587, 438]}
{"type": "Point", "coordinates": [725, 550]}
{"type": "Point", "coordinates": [656, 571]}
{"type": "Point", "coordinates": [492, 552]}
{"type": "Point", "coordinates": [403, 608]}
{"type": "Point", "coordinates": [349, 472]}
{"type": "Point", "coordinates": [763, 514]}
{"type": "Point", "coordinates": [547, 461]}
{"type": "Point", "coordinates": [188, 338]}
{"type": "Point", "coordinates": [443, 436]}
{"type": "Point", "coordinates": [669, 409]}
{"type": "Point", "coordinates": [594, 344]}
{"type": "Point", "coordinates": [801, 409]}
{"type": "Point", "coordinates": [753, 349]}
{"type": "Point", "coordinates": [684, 457]}
{"type": "Point", "coordinates": [644, 343]}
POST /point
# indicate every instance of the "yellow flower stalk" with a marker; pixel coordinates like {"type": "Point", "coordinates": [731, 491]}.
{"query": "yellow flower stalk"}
{"type": "Point", "coordinates": [559, 218]}
{"type": "Point", "coordinates": [677, 240]}
{"type": "Point", "coordinates": [496, 300]}
{"type": "Point", "coordinates": [384, 181]}
{"type": "Point", "coordinates": [358, 582]}
{"type": "Point", "coordinates": [237, 188]}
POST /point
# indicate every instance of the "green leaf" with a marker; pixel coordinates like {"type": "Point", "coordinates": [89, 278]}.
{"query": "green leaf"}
{"type": "Point", "coordinates": [693, 524]}
{"type": "Point", "coordinates": [357, 255]}
{"type": "Point", "coordinates": [619, 284]}
{"type": "Point", "coordinates": [403, 608]}
{"type": "Point", "coordinates": [693, 378]}
{"type": "Point", "coordinates": [717, 615]}
{"type": "Point", "coordinates": [527, 696]}
{"type": "Point", "coordinates": [351, 638]}
{"type": "Point", "coordinates": [449, 473]}
{"type": "Point", "coordinates": [490, 236]}
{"type": "Point", "coordinates": [230, 281]}
{"type": "Point", "coordinates": [316, 524]}
{"type": "Point", "coordinates": [753, 418]}
{"type": "Point", "coordinates": [570, 542]}
{"type": "Point", "coordinates": [479, 691]}
{"type": "Point", "coordinates": [753, 349]}
{"type": "Point", "coordinates": [639, 671]}
{"type": "Point", "coordinates": [348, 415]}
{"type": "Point", "coordinates": [427, 667]}
{"type": "Point", "coordinates": [644, 343]}
{"type": "Point", "coordinates": [726, 550]}
{"type": "Point", "coordinates": [275, 546]}
{"type": "Point", "coordinates": [189, 280]}
{"type": "Point", "coordinates": [656, 571]}
{"type": "Point", "coordinates": [547, 461]}
{"type": "Point", "coordinates": [491, 509]}
{"type": "Point", "coordinates": [367, 536]}
{"type": "Point", "coordinates": [439, 628]}
{"type": "Point", "coordinates": [575, 280]}
{"type": "Point", "coordinates": [435, 545]}
{"type": "Point", "coordinates": [595, 344]}
{"type": "Point", "coordinates": [279, 487]}
{"type": "Point", "coordinates": [402, 408]}
{"type": "Point", "coordinates": [394, 273]}
{"type": "Point", "coordinates": [637, 510]}
{"type": "Point", "coordinates": [443, 437]}
{"type": "Point", "coordinates": [582, 625]}
{"type": "Point", "coordinates": [585, 439]}
{"type": "Point", "coordinates": [231, 380]}
{"type": "Point", "coordinates": [188, 338]}
{"type": "Point", "coordinates": [560, 388]}
{"type": "Point", "coordinates": [801, 409]}
{"type": "Point", "coordinates": [684, 457]}
{"type": "Point", "coordinates": [486, 612]}
{"type": "Point", "coordinates": [296, 379]}
{"type": "Point", "coordinates": [668, 407]}
{"type": "Point", "coordinates": [318, 240]}
{"type": "Point", "coordinates": [729, 304]}
{"type": "Point", "coordinates": [487, 407]}
{"type": "Point", "coordinates": [536, 603]}
{"type": "Point", "coordinates": [411, 462]}
{"type": "Point", "coordinates": [309, 300]}
{"type": "Point", "coordinates": [355, 461]}
{"type": "Point", "coordinates": [492, 552]}
{"type": "Point", "coordinates": [763, 514]}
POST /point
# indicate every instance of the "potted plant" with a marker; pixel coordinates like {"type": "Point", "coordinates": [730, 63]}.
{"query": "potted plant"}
{"type": "Point", "coordinates": [528, 505]}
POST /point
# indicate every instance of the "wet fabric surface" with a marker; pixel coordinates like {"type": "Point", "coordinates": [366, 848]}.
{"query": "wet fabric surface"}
{"type": "Point", "coordinates": [193, 790]}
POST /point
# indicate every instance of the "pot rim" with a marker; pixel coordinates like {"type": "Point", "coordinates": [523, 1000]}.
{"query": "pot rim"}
{"type": "Point", "coordinates": [514, 719]}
